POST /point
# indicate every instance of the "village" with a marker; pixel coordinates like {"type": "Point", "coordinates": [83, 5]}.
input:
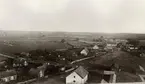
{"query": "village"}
{"type": "Point", "coordinates": [100, 61]}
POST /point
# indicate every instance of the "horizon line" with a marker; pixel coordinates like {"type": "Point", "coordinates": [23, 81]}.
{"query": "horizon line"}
{"type": "Point", "coordinates": [73, 31]}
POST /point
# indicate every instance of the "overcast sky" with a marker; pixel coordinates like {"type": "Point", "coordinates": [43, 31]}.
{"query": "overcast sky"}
{"type": "Point", "coordinates": [111, 16]}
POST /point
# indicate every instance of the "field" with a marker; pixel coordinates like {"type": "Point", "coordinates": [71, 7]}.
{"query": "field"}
{"type": "Point", "coordinates": [26, 45]}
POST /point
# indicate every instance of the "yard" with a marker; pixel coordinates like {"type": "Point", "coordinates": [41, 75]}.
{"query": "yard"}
{"type": "Point", "coordinates": [51, 80]}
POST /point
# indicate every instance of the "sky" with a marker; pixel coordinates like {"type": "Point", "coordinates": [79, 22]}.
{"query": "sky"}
{"type": "Point", "coordinates": [108, 16]}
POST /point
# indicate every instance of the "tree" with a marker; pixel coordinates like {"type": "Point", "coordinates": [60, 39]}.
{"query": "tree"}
{"type": "Point", "coordinates": [133, 42]}
{"type": "Point", "coordinates": [77, 39]}
{"type": "Point", "coordinates": [62, 40]}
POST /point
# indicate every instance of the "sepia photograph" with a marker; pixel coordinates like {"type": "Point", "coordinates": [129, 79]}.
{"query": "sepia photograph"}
{"type": "Point", "coordinates": [72, 41]}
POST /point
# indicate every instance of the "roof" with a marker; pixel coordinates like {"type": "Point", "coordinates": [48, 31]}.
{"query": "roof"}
{"type": "Point", "coordinates": [101, 67]}
{"type": "Point", "coordinates": [81, 72]}
{"type": "Point", "coordinates": [95, 46]}
{"type": "Point", "coordinates": [85, 49]}
{"type": "Point", "coordinates": [7, 73]}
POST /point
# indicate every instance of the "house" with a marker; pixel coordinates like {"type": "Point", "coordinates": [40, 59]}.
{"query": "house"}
{"type": "Point", "coordinates": [111, 45]}
{"type": "Point", "coordinates": [78, 76]}
{"type": "Point", "coordinates": [25, 54]}
{"type": "Point", "coordinates": [20, 62]}
{"type": "Point", "coordinates": [96, 47]}
{"type": "Point", "coordinates": [7, 76]}
{"type": "Point", "coordinates": [142, 54]}
{"type": "Point", "coordinates": [85, 52]}
{"type": "Point", "coordinates": [131, 47]}
{"type": "Point", "coordinates": [38, 72]}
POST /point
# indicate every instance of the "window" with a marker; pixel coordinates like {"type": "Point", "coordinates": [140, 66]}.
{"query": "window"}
{"type": "Point", "coordinates": [74, 76]}
{"type": "Point", "coordinates": [74, 81]}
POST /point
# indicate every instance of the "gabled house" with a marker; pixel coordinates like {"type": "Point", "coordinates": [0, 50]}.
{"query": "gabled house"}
{"type": "Point", "coordinates": [7, 76]}
{"type": "Point", "coordinates": [78, 76]}
{"type": "Point", "coordinates": [85, 52]}
{"type": "Point", "coordinates": [95, 47]}
{"type": "Point", "coordinates": [38, 72]}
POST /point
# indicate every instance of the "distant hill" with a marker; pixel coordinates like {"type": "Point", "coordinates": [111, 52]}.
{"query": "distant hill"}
{"type": "Point", "coordinates": [46, 35]}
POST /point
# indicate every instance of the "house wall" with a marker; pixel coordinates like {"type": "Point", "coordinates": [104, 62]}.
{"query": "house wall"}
{"type": "Point", "coordinates": [41, 73]}
{"type": "Point", "coordinates": [13, 77]}
{"type": "Point", "coordinates": [70, 79]}
{"type": "Point", "coordinates": [112, 78]}
{"type": "Point", "coordinates": [85, 79]}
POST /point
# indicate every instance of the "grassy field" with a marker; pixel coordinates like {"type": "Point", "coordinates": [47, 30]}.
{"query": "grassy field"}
{"type": "Point", "coordinates": [27, 45]}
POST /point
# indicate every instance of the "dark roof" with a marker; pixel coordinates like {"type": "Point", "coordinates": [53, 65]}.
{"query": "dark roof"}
{"type": "Point", "coordinates": [7, 73]}
{"type": "Point", "coordinates": [81, 71]}
{"type": "Point", "coordinates": [101, 67]}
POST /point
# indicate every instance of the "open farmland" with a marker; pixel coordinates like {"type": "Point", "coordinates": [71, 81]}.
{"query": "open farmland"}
{"type": "Point", "coordinates": [19, 46]}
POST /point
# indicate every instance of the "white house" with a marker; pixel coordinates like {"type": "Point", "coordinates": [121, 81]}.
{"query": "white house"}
{"type": "Point", "coordinates": [85, 51]}
{"type": "Point", "coordinates": [7, 76]}
{"type": "Point", "coordinates": [95, 47]}
{"type": "Point", "coordinates": [79, 76]}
